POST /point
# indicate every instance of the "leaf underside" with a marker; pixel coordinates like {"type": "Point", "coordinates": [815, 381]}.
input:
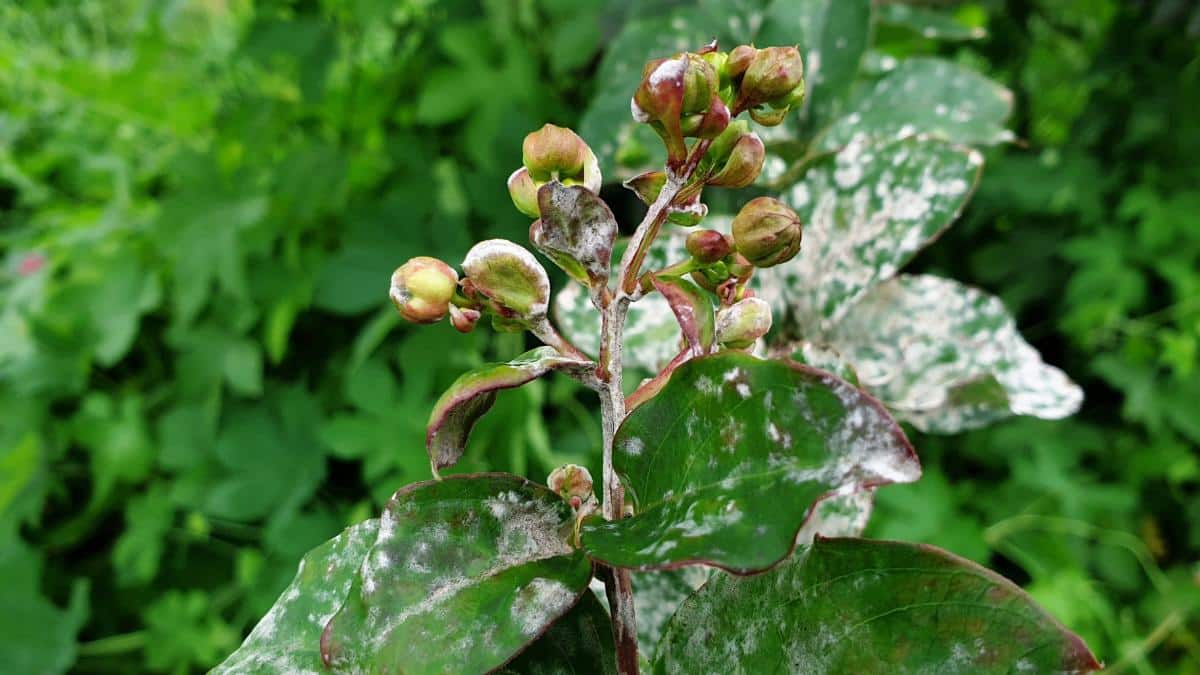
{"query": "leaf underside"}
{"type": "Point", "coordinates": [863, 606]}
{"type": "Point", "coordinates": [464, 574]}
{"type": "Point", "coordinates": [725, 464]}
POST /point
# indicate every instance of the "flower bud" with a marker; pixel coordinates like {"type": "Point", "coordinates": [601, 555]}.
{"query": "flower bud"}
{"type": "Point", "coordinates": [509, 276]}
{"type": "Point", "coordinates": [744, 163]}
{"type": "Point", "coordinates": [772, 76]}
{"type": "Point", "coordinates": [708, 246]}
{"type": "Point", "coordinates": [464, 319]}
{"type": "Point", "coordinates": [553, 151]}
{"type": "Point", "coordinates": [422, 289]}
{"type": "Point", "coordinates": [709, 124]}
{"type": "Point", "coordinates": [523, 190]}
{"type": "Point", "coordinates": [738, 61]}
{"type": "Point", "coordinates": [699, 85]}
{"type": "Point", "coordinates": [573, 483]}
{"type": "Point", "coordinates": [767, 232]}
{"type": "Point", "coordinates": [740, 324]}
{"type": "Point", "coordinates": [660, 95]}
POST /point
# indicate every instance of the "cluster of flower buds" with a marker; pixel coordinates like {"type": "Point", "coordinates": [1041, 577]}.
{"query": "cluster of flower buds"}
{"type": "Point", "coordinates": [498, 276]}
{"type": "Point", "coordinates": [736, 157]}
{"type": "Point", "coordinates": [680, 98]}
{"type": "Point", "coordinates": [768, 81]}
{"type": "Point", "coordinates": [552, 153]}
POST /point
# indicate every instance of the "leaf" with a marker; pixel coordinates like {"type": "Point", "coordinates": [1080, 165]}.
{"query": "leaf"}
{"type": "Point", "coordinates": [927, 96]}
{"type": "Point", "coordinates": [928, 23]}
{"type": "Point", "coordinates": [489, 550]}
{"type": "Point", "coordinates": [693, 310]}
{"type": "Point", "coordinates": [947, 357]}
{"type": "Point", "coordinates": [36, 636]}
{"type": "Point", "coordinates": [833, 35]}
{"type": "Point", "coordinates": [580, 643]}
{"type": "Point", "coordinates": [651, 336]}
{"type": "Point", "coordinates": [724, 465]}
{"type": "Point", "coordinates": [576, 231]}
{"type": "Point", "coordinates": [473, 394]}
{"type": "Point", "coordinates": [866, 211]}
{"type": "Point", "coordinates": [862, 606]}
{"type": "Point", "coordinates": [287, 639]}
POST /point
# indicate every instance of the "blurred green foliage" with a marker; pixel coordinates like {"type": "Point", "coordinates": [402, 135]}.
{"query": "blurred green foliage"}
{"type": "Point", "coordinates": [200, 377]}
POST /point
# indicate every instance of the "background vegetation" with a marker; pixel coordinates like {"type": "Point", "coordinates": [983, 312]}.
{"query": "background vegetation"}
{"type": "Point", "coordinates": [201, 378]}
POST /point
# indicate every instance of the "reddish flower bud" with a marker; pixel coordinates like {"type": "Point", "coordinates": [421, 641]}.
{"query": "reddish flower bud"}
{"type": "Point", "coordinates": [553, 151]}
{"type": "Point", "coordinates": [464, 319]}
{"type": "Point", "coordinates": [422, 289]}
{"type": "Point", "coordinates": [767, 232]}
{"type": "Point", "coordinates": [772, 76]}
{"type": "Point", "coordinates": [738, 61]}
{"type": "Point", "coordinates": [708, 246]}
{"type": "Point", "coordinates": [571, 482]}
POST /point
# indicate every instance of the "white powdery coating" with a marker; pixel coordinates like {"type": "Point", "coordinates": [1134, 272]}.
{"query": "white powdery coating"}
{"type": "Point", "coordinates": [589, 240]}
{"type": "Point", "coordinates": [537, 600]}
{"type": "Point", "coordinates": [651, 336]}
{"type": "Point", "coordinates": [667, 71]}
{"type": "Point", "coordinates": [494, 251]}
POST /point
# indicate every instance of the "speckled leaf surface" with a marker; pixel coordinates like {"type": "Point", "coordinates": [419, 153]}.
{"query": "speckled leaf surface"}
{"type": "Point", "coordinates": [948, 357]}
{"type": "Point", "coordinates": [693, 309]}
{"type": "Point", "coordinates": [929, 23]}
{"type": "Point", "coordinates": [651, 339]}
{"type": "Point", "coordinates": [862, 606]}
{"type": "Point", "coordinates": [726, 462]}
{"type": "Point", "coordinates": [933, 97]}
{"type": "Point", "coordinates": [464, 573]}
{"type": "Point", "coordinates": [579, 643]}
{"type": "Point", "coordinates": [473, 394]}
{"type": "Point", "coordinates": [866, 210]}
{"type": "Point", "coordinates": [576, 231]}
{"type": "Point", "coordinates": [288, 638]}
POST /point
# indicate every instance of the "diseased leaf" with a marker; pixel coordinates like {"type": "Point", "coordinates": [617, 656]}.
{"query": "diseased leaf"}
{"type": "Point", "coordinates": [947, 357]}
{"type": "Point", "coordinates": [576, 231]}
{"type": "Point", "coordinates": [725, 463]}
{"type": "Point", "coordinates": [464, 574]}
{"type": "Point", "coordinates": [927, 96]}
{"type": "Point", "coordinates": [820, 356]}
{"type": "Point", "coordinates": [579, 643]}
{"type": "Point", "coordinates": [651, 336]}
{"type": "Point", "coordinates": [656, 596]}
{"type": "Point", "coordinates": [929, 23]}
{"type": "Point", "coordinates": [693, 309]}
{"type": "Point", "coordinates": [861, 606]}
{"type": "Point", "coordinates": [866, 210]}
{"type": "Point", "coordinates": [473, 394]}
{"type": "Point", "coordinates": [287, 639]}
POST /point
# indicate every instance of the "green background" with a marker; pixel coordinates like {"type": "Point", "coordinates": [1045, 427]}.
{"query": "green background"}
{"type": "Point", "coordinates": [201, 377]}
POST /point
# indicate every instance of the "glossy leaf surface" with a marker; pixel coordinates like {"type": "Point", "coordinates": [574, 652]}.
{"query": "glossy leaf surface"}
{"type": "Point", "coordinates": [473, 394]}
{"type": "Point", "coordinates": [465, 572]}
{"type": "Point", "coordinates": [862, 606]}
{"type": "Point", "coordinates": [948, 357]}
{"type": "Point", "coordinates": [726, 462]}
{"type": "Point", "coordinates": [579, 643]}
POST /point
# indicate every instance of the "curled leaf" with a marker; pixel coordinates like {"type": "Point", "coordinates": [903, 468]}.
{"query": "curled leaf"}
{"type": "Point", "coordinates": [576, 231]}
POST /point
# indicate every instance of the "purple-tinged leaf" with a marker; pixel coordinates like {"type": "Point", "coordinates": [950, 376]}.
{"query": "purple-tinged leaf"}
{"type": "Point", "coordinates": [464, 574]}
{"type": "Point", "coordinates": [862, 606]}
{"type": "Point", "coordinates": [576, 231]}
{"type": "Point", "coordinates": [473, 394]}
{"type": "Point", "coordinates": [693, 310]}
{"type": "Point", "coordinates": [725, 463]}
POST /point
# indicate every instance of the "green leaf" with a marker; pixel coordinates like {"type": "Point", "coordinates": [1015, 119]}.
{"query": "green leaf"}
{"type": "Point", "coordinates": [866, 211]}
{"type": "Point", "coordinates": [488, 550]}
{"type": "Point", "coordinates": [287, 638]}
{"type": "Point", "coordinates": [929, 23]}
{"type": "Point", "coordinates": [861, 606]}
{"type": "Point", "coordinates": [947, 357]}
{"type": "Point", "coordinates": [473, 394]}
{"type": "Point", "coordinates": [724, 465]}
{"type": "Point", "coordinates": [927, 96]}
{"type": "Point", "coordinates": [35, 635]}
{"type": "Point", "coordinates": [579, 643]}
{"type": "Point", "coordinates": [576, 231]}
{"type": "Point", "coordinates": [833, 36]}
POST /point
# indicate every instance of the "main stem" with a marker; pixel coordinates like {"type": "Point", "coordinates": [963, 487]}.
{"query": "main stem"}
{"type": "Point", "coordinates": [619, 584]}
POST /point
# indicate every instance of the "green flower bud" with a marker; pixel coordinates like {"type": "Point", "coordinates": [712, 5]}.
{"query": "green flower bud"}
{"type": "Point", "coordinates": [767, 232]}
{"type": "Point", "coordinates": [573, 483]}
{"type": "Point", "coordinates": [523, 190]}
{"type": "Point", "coordinates": [709, 124]}
{"type": "Point", "coordinates": [422, 289]}
{"type": "Point", "coordinates": [738, 61]}
{"type": "Point", "coordinates": [744, 163]}
{"type": "Point", "coordinates": [708, 246]}
{"type": "Point", "coordinates": [772, 76]}
{"type": "Point", "coordinates": [509, 276]}
{"type": "Point", "coordinates": [739, 325]}
{"type": "Point", "coordinates": [553, 151]}
{"type": "Point", "coordinates": [699, 85]}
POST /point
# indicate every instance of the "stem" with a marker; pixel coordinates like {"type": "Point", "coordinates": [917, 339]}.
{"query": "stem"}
{"type": "Point", "coordinates": [619, 584]}
{"type": "Point", "coordinates": [114, 644]}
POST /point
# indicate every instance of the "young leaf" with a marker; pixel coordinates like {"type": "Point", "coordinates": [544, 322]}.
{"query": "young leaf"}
{"type": "Point", "coordinates": [580, 643]}
{"type": "Point", "coordinates": [948, 357]}
{"type": "Point", "coordinates": [927, 96]}
{"type": "Point", "coordinates": [867, 211]}
{"type": "Point", "coordinates": [725, 463]}
{"type": "Point", "coordinates": [473, 394]}
{"type": "Point", "coordinates": [464, 574]}
{"type": "Point", "coordinates": [861, 606]}
{"type": "Point", "coordinates": [287, 639]}
{"type": "Point", "coordinates": [692, 309]}
{"type": "Point", "coordinates": [576, 231]}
